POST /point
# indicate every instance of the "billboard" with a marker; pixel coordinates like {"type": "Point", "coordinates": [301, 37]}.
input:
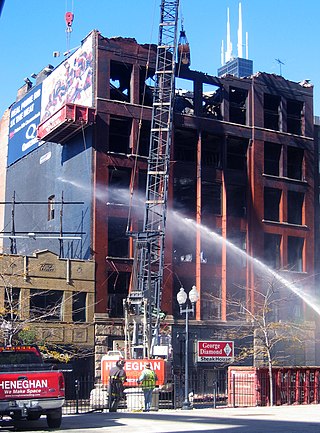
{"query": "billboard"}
{"type": "Point", "coordinates": [24, 120]}
{"type": "Point", "coordinates": [71, 82]}
{"type": "Point", "coordinates": [215, 351]}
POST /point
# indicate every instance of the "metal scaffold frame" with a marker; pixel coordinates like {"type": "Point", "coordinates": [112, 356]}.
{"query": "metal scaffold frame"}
{"type": "Point", "coordinates": [142, 327]}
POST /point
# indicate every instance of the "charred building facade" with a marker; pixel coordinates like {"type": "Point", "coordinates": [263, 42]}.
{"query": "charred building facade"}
{"type": "Point", "coordinates": [242, 185]}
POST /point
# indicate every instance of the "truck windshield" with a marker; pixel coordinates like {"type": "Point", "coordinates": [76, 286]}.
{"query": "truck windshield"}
{"type": "Point", "coordinates": [19, 358]}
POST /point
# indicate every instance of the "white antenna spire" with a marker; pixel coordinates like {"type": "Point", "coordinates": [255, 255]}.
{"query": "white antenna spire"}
{"type": "Point", "coordinates": [247, 46]}
{"type": "Point", "coordinates": [240, 33]}
{"type": "Point", "coordinates": [222, 53]}
{"type": "Point", "coordinates": [229, 44]}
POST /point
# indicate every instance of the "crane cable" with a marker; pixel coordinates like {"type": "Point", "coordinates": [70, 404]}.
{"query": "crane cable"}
{"type": "Point", "coordinates": [69, 16]}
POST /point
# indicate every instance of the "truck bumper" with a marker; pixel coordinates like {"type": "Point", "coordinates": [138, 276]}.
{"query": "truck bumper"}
{"type": "Point", "coordinates": [21, 408]}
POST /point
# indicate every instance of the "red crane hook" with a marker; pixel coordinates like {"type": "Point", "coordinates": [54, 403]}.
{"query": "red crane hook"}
{"type": "Point", "coordinates": [69, 18]}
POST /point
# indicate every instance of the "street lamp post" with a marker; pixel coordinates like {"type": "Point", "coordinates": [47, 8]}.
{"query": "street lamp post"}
{"type": "Point", "coordinates": [182, 298]}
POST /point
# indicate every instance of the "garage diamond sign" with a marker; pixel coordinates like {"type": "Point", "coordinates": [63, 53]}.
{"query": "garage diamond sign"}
{"type": "Point", "coordinates": [215, 351]}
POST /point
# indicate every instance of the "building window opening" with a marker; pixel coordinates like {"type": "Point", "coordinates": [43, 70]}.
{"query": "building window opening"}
{"type": "Point", "coordinates": [295, 163]}
{"type": "Point", "coordinates": [211, 299]}
{"type": "Point", "coordinates": [11, 303]}
{"type": "Point", "coordinates": [184, 97]}
{"type": "Point", "coordinates": [118, 289]}
{"type": "Point", "coordinates": [79, 303]}
{"type": "Point", "coordinates": [184, 246]}
{"type": "Point", "coordinates": [295, 253]}
{"type": "Point", "coordinates": [236, 201]}
{"type": "Point", "coordinates": [211, 151]}
{"type": "Point", "coordinates": [120, 77]}
{"type": "Point", "coordinates": [211, 249]}
{"type": "Point", "coordinates": [211, 101]}
{"type": "Point", "coordinates": [294, 116]}
{"type": "Point", "coordinates": [271, 106]}
{"type": "Point", "coordinates": [118, 241]}
{"type": "Point", "coordinates": [185, 146]}
{"type": "Point", "coordinates": [119, 135]}
{"type": "Point", "coordinates": [46, 305]}
{"type": "Point", "coordinates": [119, 183]}
{"type": "Point", "coordinates": [184, 191]}
{"type": "Point", "coordinates": [51, 208]}
{"type": "Point", "coordinates": [272, 156]}
{"type": "Point", "coordinates": [211, 201]}
{"type": "Point", "coordinates": [238, 103]}
{"type": "Point", "coordinates": [147, 83]}
{"type": "Point", "coordinates": [237, 154]}
{"type": "Point", "coordinates": [272, 257]}
{"type": "Point", "coordinates": [239, 239]}
{"type": "Point", "coordinates": [272, 198]}
{"type": "Point", "coordinates": [237, 300]}
{"type": "Point", "coordinates": [144, 139]}
{"type": "Point", "coordinates": [295, 206]}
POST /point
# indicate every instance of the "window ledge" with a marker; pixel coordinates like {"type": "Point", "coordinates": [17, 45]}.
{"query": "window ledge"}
{"type": "Point", "coordinates": [286, 224]}
{"type": "Point", "coordinates": [286, 179]}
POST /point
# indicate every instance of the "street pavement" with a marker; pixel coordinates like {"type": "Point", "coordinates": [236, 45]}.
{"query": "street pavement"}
{"type": "Point", "coordinates": [279, 419]}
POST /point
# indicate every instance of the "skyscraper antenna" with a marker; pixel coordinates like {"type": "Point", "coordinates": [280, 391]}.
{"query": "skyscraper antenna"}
{"type": "Point", "coordinates": [280, 63]}
{"type": "Point", "coordinates": [240, 33]}
{"type": "Point", "coordinates": [228, 55]}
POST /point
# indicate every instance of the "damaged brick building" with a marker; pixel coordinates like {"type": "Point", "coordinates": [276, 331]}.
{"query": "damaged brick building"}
{"type": "Point", "coordinates": [244, 165]}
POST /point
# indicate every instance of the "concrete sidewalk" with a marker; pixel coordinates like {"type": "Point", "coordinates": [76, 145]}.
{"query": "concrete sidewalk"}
{"type": "Point", "coordinates": [279, 419]}
{"type": "Point", "coordinates": [284, 419]}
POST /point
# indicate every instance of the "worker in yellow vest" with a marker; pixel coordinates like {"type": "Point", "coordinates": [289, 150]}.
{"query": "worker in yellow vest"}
{"type": "Point", "coordinates": [147, 379]}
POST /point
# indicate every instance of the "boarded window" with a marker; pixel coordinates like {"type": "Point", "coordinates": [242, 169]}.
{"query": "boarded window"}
{"type": "Point", "coordinates": [272, 198]}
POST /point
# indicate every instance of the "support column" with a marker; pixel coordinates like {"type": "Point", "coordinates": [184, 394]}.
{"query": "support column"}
{"type": "Point", "coordinates": [198, 221]}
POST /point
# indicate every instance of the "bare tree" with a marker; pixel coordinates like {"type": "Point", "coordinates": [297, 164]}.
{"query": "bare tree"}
{"type": "Point", "coordinates": [275, 334]}
{"type": "Point", "coordinates": [18, 329]}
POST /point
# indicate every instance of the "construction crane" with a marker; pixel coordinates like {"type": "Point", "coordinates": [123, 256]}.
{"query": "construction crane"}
{"type": "Point", "coordinates": [142, 306]}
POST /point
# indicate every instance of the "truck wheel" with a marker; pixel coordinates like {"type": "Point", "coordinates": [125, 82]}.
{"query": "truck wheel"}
{"type": "Point", "coordinates": [54, 419]}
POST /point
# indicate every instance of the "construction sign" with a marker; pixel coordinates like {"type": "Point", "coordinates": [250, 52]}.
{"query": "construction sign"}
{"type": "Point", "coordinates": [134, 368]}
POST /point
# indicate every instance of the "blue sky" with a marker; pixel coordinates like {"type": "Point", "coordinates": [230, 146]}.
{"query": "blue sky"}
{"type": "Point", "coordinates": [30, 30]}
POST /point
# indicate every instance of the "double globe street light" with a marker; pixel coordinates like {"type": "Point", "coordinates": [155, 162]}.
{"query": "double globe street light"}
{"type": "Point", "coordinates": [189, 301]}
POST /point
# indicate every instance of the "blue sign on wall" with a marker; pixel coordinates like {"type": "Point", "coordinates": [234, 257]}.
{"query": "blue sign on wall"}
{"type": "Point", "coordinates": [24, 120]}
